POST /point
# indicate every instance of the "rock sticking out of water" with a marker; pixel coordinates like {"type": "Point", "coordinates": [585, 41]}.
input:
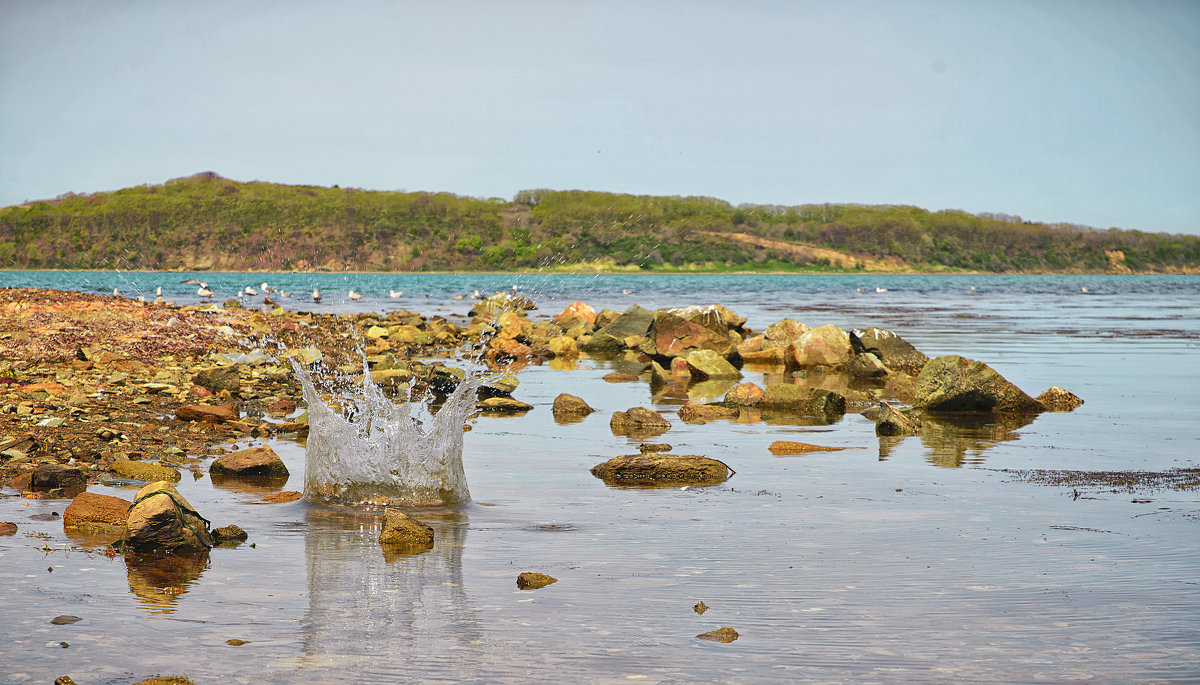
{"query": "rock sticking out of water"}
{"type": "Point", "coordinates": [725, 634]}
{"type": "Point", "coordinates": [529, 580]}
{"type": "Point", "coordinates": [662, 470]}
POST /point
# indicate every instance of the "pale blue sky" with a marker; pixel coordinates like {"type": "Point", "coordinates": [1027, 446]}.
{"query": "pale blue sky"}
{"type": "Point", "coordinates": [1087, 112]}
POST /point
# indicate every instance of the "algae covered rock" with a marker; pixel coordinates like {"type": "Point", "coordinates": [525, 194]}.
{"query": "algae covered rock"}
{"type": "Point", "coordinates": [529, 580]}
{"type": "Point", "coordinates": [891, 421]}
{"type": "Point", "coordinates": [744, 394]}
{"type": "Point", "coordinates": [400, 529]}
{"type": "Point", "coordinates": [802, 399]}
{"type": "Point", "coordinates": [140, 470]}
{"type": "Point", "coordinates": [162, 520]}
{"type": "Point", "coordinates": [725, 634]}
{"type": "Point", "coordinates": [784, 447]}
{"type": "Point", "coordinates": [662, 470]}
{"type": "Point", "coordinates": [638, 420]}
{"type": "Point", "coordinates": [705, 364]}
{"type": "Point", "coordinates": [1059, 399]}
{"type": "Point", "coordinates": [957, 384]}
{"type": "Point", "coordinates": [692, 412]}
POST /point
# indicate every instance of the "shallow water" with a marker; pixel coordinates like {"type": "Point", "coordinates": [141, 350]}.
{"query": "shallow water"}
{"type": "Point", "coordinates": [921, 561]}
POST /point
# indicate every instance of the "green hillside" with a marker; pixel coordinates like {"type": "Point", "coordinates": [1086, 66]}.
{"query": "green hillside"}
{"type": "Point", "coordinates": [206, 221]}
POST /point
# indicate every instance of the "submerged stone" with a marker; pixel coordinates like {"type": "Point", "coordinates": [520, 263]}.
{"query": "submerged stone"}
{"type": "Point", "coordinates": [803, 399]}
{"type": "Point", "coordinates": [725, 634]}
{"type": "Point", "coordinates": [1059, 399]}
{"type": "Point", "coordinates": [782, 447]}
{"type": "Point", "coordinates": [399, 529]}
{"type": "Point", "coordinates": [662, 469]}
{"type": "Point", "coordinates": [530, 580]}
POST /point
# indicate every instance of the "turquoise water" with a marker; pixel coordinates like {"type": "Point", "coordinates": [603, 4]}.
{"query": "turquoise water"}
{"type": "Point", "coordinates": [921, 561]}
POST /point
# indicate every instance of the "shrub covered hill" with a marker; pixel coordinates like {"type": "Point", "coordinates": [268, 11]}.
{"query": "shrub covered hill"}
{"type": "Point", "coordinates": [209, 222]}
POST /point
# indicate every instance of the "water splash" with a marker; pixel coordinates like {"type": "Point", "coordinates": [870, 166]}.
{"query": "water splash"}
{"type": "Point", "coordinates": [363, 448]}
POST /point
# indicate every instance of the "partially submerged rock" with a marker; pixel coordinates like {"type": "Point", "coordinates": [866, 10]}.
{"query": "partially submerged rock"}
{"type": "Point", "coordinates": [705, 364]}
{"type": "Point", "coordinates": [957, 384]}
{"type": "Point", "coordinates": [891, 421]}
{"type": "Point", "coordinates": [783, 447]}
{"type": "Point", "coordinates": [91, 510]}
{"type": "Point", "coordinates": [57, 476]}
{"type": "Point", "coordinates": [261, 461]}
{"type": "Point", "coordinates": [638, 420]}
{"type": "Point", "coordinates": [162, 520]}
{"type": "Point", "coordinates": [725, 634]}
{"type": "Point", "coordinates": [529, 580]}
{"type": "Point", "coordinates": [502, 405]}
{"type": "Point", "coordinates": [400, 529]}
{"type": "Point", "coordinates": [570, 407]}
{"type": "Point", "coordinates": [744, 394]}
{"type": "Point", "coordinates": [1059, 399]}
{"type": "Point", "coordinates": [692, 412]}
{"type": "Point", "coordinates": [662, 469]}
{"type": "Point", "coordinates": [802, 399]}
{"type": "Point", "coordinates": [230, 533]}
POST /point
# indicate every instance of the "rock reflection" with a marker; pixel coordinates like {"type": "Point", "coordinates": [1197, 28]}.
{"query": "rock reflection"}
{"type": "Point", "coordinates": [360, 589]}
{"type": "Point", "coordinates": [159, 580]}
{"type": "Point", "coordinates": [258, 486]}
{"type": "Point", "coordinates": [956, 440]}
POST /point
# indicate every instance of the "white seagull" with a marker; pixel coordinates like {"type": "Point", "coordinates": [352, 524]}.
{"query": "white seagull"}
{"type": "Point", "coordinates": [316, 295]}
{"type": "Point", "coordinates": [395, 293]}
{"type": "Point", "coordinates": [267, 289]}
{"type": "Point", "coordinates": [250, 291]}
{"type": "Point", "coordinates": [355, 296]}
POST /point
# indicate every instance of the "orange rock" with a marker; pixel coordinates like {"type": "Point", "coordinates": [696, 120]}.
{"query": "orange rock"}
{"type": "Point", "coordinates": [206, 413]}
{"type": "Point", "coordinates": [93, 508]}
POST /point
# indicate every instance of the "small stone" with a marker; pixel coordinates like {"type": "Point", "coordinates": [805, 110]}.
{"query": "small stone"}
{"type": "Point", "coordinates": [781, 447]}
{"type": "Point", "coordinates": [566, 406]}
{"type": "Point", "coordinates": [500, 405]}
{"type": "Point", "coordinates": [138, 470]}
{"type": "Point", "coordinates": [529, 580]}
{"type": "Point", "coordinates": [653, 447]}
{"type": "Point", "coordinates": [8, 528]}
{"type": "Point", "coordinates": [1059, 399]}
{"type": "Point", "coordinates": [230, 533]}
{"type": "Point", "coordinates": [90, 509]}
{"type": "Point", "coordinates": [661, 470]}
{"type": "Point", "coordinates": [65, 619]}
{"type": "Point", "coordinates": [700, 607]}
{"type": "Point", "coordinates": [236, 642]}
{"type": "Point", "coordinates": [398, 528]}
{"type": "Point", "coordinates": [720, 635]}
{"type": "Point", "coordinates": [64, 680]}
{"type": "Point", "coordinates": [619, 377]}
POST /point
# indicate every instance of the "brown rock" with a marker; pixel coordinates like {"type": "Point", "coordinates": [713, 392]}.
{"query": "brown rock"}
{"type": "Point", "coordinates": [570, 406]}
{"type": "Point", "coordinates": [619, 377]}
{"type": "Point", "coordinates": [207, 413]}
{"type": "Point", "coordinates": [529, 580]}
{"type": "Point", "coordinates": [8, 528]}
{"type": "Point", "coordinates": [782, 447]}
{"type": "Point", "coordinates": [1059, 399]}
{"type": "Point", "coordinates": [51, 476]}
{"type": "Point", "coordinates": [94, 510]}
{"type": "Point", "coordinates": [398, 528]}
{"type": "Point", "coordinates": [229, 533]}
{"type": "Point", "coordinates": [725, 634]}
{"type": "Point", "coordinates": [700, 607]}
{"type": "Point", "coordinates": [638, 419]}
{"type": "Point", "coordinates": [576, 311]}
{"type": "Point", "coordinates": [823, 346]}
{"type": "Point", "coordinates": [662, 469]}
{"type": "Point", "coordinates": [256, 461]}
{"type": "Point", "coordinates": [502, 405]}
{"type": "Point", "coordinates": [283, 497]}
{"type": "Point", "coordinates": [219, 378]}
{"type": "Point", "coordinates": [646, 447]}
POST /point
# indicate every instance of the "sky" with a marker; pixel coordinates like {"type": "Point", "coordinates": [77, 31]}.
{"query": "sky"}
{"type": "Point", "coordinates": [1085, 112]}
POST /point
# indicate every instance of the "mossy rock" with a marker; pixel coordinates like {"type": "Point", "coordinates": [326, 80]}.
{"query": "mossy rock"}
{"type": "Point", "coordinates": [651, 469]}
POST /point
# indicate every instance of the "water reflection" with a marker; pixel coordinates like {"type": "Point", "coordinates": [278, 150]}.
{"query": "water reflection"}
{"type": "Point", "coordinates": [160, 580]}
{"type": "Point", "coordinates": [258, 486]}
{"type": "Point", "coordinates": [415, 597]}
{"type": "Point", "coordinates": [956, 440]}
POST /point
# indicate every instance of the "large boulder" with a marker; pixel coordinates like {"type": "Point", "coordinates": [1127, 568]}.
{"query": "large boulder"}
{"type": "Point", "coordinates": [161, 520]}
{"type": "Point", "coordinates": [676, 332]}
{"type": "Point", "coordinates": [895, 352]}
{"type": "Point", "coordinates": [957, 384]}
{"type": "Point", "coordinates": [90, 510]}
{"type": "Point", "coordinates": [802, 399]}
{"type": "Point", "coordinates": [261, 461]}
{"type": "Point", "coordinates": [662, 470]}
{"type": "Point", "coordinates": [822, 346]}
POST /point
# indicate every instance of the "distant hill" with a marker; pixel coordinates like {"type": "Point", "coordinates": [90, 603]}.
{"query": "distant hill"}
{"type": "Point", "coordinates": [209, 222]}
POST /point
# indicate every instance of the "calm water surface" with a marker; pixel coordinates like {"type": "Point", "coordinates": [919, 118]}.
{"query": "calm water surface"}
{"type": "Point", "coordinates": [918, 561]}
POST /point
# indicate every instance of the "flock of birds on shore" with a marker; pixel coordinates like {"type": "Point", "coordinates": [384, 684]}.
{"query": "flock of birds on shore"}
{"type": "Point", "coordinates": [207, 293]}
